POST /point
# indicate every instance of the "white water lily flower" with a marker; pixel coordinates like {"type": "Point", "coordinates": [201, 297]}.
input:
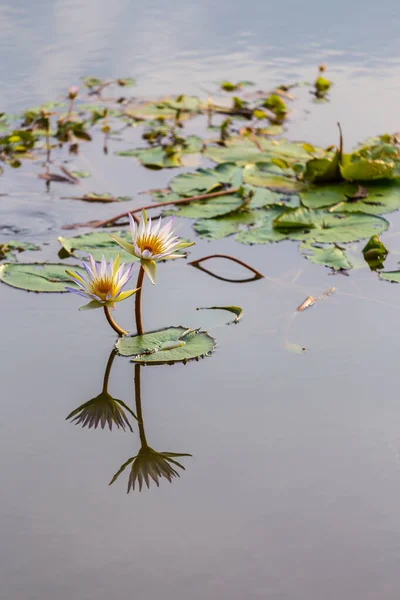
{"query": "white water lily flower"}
{"type": "Point", "coordinates": [103, 283]}
{"type": "Point", "coordinates": [152, 242]}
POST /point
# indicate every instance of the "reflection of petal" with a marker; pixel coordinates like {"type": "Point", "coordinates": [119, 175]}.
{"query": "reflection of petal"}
{"type": "Point", "coordinates": [150, 464]}
{"type": "Point", "coordinates": [102, 410]}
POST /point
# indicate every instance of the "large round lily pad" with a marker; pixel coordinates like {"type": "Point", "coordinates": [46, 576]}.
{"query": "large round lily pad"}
{"type": "Point", "coordinates": [220, 227]}
{"type": "Point", "coordinates": [167, 346]}
{"type": "Point", "coordinates": [323, 226]}
{"type": "Point", "coordinates": [37, 277]}
{"type": "Point", "coordinates": [380, 199]}
{"type": "Point", "coordinates": [204, 181]}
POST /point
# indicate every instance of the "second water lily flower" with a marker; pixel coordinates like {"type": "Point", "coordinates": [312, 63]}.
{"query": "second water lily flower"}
{"type": "Point", "coordinates": [152, 242]}
{"type": "Point", "coordinates": [103, 283]}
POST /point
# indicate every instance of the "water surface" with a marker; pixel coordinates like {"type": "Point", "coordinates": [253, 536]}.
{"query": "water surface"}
{"type": "Point", "coordinates": [293, 488]}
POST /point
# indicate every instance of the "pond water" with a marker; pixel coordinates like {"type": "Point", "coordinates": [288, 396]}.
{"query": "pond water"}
{"type": "Point", "coordinates": [292, 490]}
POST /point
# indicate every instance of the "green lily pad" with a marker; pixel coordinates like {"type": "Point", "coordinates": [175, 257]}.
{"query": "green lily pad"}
{"type": "Point", "coordinates": [158, 157]}
{"type": "Point", "coordinates": [166, 108]}
{"type": "Point", "coordinates": [236, 310]}
{"type": "Point", "coordinates": [207, 209]}
{"type": "Point", "coordinates": [393, 276]}
{"type": "Point", "coordinates": [204, 181]}
{"type": "Point", "coordinates": [323, 170]}
{"type": "Point", "coordinates": [11, 248]}
{"type": "Point", "coordinates": [263, 232]}
{"type": "Point", "coordinates": [270, 176]}
{"type": "Point", "coordinates": [242, 150]}
{"type": "Point", "coordinates": [368, 170]}
{"type": "Point", "coordinates": [37, 277]}
{"type": "Point", "coordinates": [220, 227]}
{"type": "Point", "coordinates": [382, 198]}
{"type": "Point", "coordinates": [321, 226]}
{"type": "Point", "coordinates": [167, 346]}
{"type": "Point", "coordinates": [96, 243]}
{"type": "Point", "coordinates": [223, 205]}
{"type": "Point", "coordinates": [375, 253]}
{"type": "Point", "coordinates": [329, 256]}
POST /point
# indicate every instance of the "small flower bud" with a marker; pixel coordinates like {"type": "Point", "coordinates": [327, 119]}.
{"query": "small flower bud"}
{"type": "Point", "coordinates": [73, 92]}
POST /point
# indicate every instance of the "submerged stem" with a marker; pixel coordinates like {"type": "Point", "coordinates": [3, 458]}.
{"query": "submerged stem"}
{"type": "Point", "coordinates": [138, 302]}
{"type": "Point", "coordinates": [113, 324]}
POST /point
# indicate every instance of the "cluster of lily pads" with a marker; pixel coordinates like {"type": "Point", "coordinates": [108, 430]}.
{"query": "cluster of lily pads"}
{"type": "Point", "coordinates": [253, 185]}
{"type": "Point", "coordinates": [262, 189]}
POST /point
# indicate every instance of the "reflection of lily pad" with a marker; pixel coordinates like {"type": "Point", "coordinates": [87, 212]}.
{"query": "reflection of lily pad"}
{"type": "Point", "coordinates": [381, 198]}
{"type": "Point", "coordinates": [321, 226]}
{"type": "Point", "coordinates": [36, 277]}
{"type": "Point", "coordinates": [204, 181]}
{"type": "Point", "coordinates": [167, 346]}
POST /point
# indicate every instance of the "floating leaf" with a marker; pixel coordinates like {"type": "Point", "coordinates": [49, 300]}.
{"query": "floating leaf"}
{"type": "Point", "coordinates": [220, 227]}
{"type": "Point", "coordinates": [204, 181]}
{"type": "Point", "coordinates": [270, 176]}
{"type": "Point", "coordinates": [375, 253]}
{"type": "Point", "coordinates": [208, 209]}
{"type": "Point", "coordinates": [158, 157]}
{"type": "Point", "coordinates": [104, 198]}
{"type": "Point", "coordinates": [368, 170]}
{"type": "Point", "coordinates": [228, 86]}
{"type": "Point", "coordinates": [324, 170]}
{"type": "Point", "coordinates": [275, 103]}
{"type": "Point", "coordinates": [321, 226]}
{"type": "Point", "coordinates": [155, 347]}
{"type": "Point", "coordinates": [263, 232]}
{"type": "Point", "coordinates": [97, 244]}
{"type": "Point", "coordinates": [256, 149]}
{"type": "Point", "coordinates": [330, 256]}
{"type": "Point", "coordinates": [381, 198]}
{"type": "Point", "coordinates": [11, 248]}
{"type": "Point", "coordinates": [126, 81]}
{"type": "Point", "coordinates": [393, 276]}
{"type": "Point", "coordinates": [37, 277]}
{"type": "Point", "coordinates": [236, 310]}
{"type": "Point", "coordinates": [166, 108]}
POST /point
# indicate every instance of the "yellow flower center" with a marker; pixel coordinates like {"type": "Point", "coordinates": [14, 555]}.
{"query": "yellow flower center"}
{"type": "Point", "coordinates": [152, 243]}
{"type": "Point", "coordinates": [103, 287]}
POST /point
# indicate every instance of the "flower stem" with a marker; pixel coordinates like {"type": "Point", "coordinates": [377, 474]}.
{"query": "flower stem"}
{"type": "Point", "coordinates": [138, 302]}
{"type": "Point", "coordinates": [113, 324]}
{"type": "Point", "coordinates": [70, 108]}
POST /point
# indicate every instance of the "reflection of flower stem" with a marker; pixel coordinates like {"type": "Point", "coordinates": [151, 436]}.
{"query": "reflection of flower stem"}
{"type": "Point", "coordinates": [107, 372]}
{"type": "Point", "coordinates": [111, 321]}
{"type": "Point", "coordinates": [138, 302]}
{"type": "Point", "coordinates": [138, 400]}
